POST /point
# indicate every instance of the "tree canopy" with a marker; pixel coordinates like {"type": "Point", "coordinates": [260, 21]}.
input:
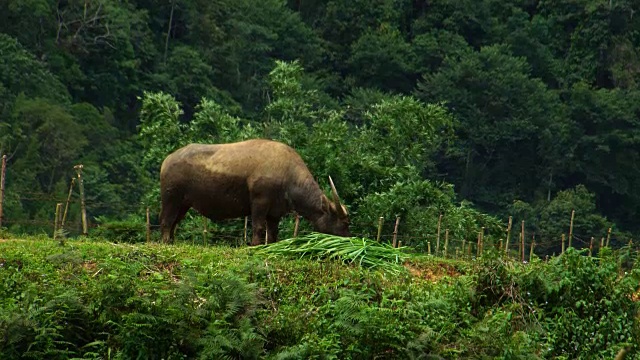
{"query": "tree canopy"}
{"type": "Point", "coordinates": [498, 108]}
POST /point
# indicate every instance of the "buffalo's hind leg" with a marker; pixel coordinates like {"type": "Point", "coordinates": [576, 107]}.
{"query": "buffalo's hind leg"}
{"type": "Point", "coordinates": [170, 216]}
{"type": "Point", "coordinates": [258, 222]}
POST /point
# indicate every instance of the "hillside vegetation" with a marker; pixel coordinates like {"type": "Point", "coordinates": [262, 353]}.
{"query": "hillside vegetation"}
{"type": "Point", "coordinates": [478, 110]}
{"type": "Point", "coordinates": [93, 299]}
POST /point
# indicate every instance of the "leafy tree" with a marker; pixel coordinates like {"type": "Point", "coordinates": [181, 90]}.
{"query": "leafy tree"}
{"type": "Point", "coordinates": [22, 72]}
{"type": "Point", "coordinates": [189, 78]}
{"type": "Point", "coordinates": [382, 59]}
{"type": "Point", "coordinates": [51, 135]}
{"type": "Point", "coordinates": [434, 46]}
{"type": "Point", "coordinates": [509, 125]}
{"type": "Point", "coordinates": [608, 139]}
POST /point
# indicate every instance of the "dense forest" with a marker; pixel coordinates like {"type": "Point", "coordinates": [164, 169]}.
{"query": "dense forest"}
{"type": "Point", "coordinates": [477, 109]}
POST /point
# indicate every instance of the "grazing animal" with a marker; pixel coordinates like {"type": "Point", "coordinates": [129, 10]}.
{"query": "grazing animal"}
{"type": "Point", "coordinates": [262, 178]}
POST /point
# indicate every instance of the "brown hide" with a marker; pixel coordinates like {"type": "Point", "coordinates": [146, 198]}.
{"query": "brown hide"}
{"type": "Point", "coordinates": [260, 178]}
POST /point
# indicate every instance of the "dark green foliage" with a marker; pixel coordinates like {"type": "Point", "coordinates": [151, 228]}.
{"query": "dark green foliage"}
{"type": "Point", "coordinates": [129, 303]}
{"type": "Point", "coordinates": [577, 305]}
{"type": "Point", "coordinates": [94, 300]}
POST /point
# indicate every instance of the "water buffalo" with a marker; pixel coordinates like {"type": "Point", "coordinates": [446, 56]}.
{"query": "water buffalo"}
{"type": "Point", "coordinates": [262, 178]}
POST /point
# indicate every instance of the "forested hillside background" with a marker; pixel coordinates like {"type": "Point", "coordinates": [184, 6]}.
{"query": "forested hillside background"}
{"type": "Point", "coordinates": [508, 108]}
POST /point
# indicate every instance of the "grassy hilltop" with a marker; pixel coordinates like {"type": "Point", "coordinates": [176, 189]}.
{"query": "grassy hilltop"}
{"type": "Point", "coordinates": [93, 299]}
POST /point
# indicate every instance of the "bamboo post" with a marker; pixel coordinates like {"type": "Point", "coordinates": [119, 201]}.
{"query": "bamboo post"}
{"type": "Point", "coordinates": [148, 226]}
{"type": "Point", "coordinates": [379, 228]}
{"type": "Point", "coordinates": [446, 241]}
{"type": "Point", "coordinates": [506, 242]}
{"type": "Point", "coordinates": [591, 247]}
{"type": "Point", "coordinates": [83, 208]}
{"type": "Point", "coordinates": [205, 230]}
{"type": "Point", "coordinates": [297, 224]}
{"type": "Point", "coordinates": [3, 174]}
{"type": "Point", "coordinates": [562, 244]}
{"type": "Point", "coordinates": [519, 246]}
{"type": "Point", "coordinates": [395, 231]}
{"type": "Point", "coordinates": [533, 244]}
{"type": "Point", "coordinates": [55, 220]}
{"type": "Point", "coordinates": [601, 242]}
{"type": "Point", "coordinates": [608, 236]}
{"type": "Point", "coordinates": [429, 247]}
{"type": "Point", "coordinates": [66, 207]}
{"type": "Point", "coordinates": [573, 212]}
{"type": "Point", "coordinates": [478, 245]}
{"type": "Point", "coordinates": [438, 235]}
{"type": "Point", "coordinates": [522, 239]}
{"type": "Point", "coordinates": [481, 240]}
{"type": "Point", "coordinates": [246, 220]}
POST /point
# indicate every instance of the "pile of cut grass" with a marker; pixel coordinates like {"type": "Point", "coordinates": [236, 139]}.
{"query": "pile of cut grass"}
{"type": "Point", "coordinates": [349, 250]}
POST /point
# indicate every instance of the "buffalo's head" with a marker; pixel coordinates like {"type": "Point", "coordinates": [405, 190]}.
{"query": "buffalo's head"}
{"type": "Point", "coordinates": [335, 218]}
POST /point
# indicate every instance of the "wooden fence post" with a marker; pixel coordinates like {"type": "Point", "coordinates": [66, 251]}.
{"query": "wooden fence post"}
{"type": "Point", "coordinates": [246, 220]}
{"type": "Point", "coordinates": [83, 208]}
{"type": "Point", "coordinates": [438, 235]}
{"type": "Point", "coordinates": [478, 246]}
{"type": "Point", "coordinates": [522, 239]}
{"type": "Point", "coordinates": [573, 212]}
{"type": "Point", "coordinates": [608, 236]}
{"type": "Point", "coordinates": [379, 228]}
{"type": "Point", "coordinates": [533, 244]}
{"type": "Point", "coordinates": [562, 244]}
{"type": "Point", "coordinates": [3, 174]}
{"type": "Point", "coordinates": [148, 226]}
{"type": "Point", "coordinates": [55, 220]}
{"type": "Point", "coordinates": [446, 241]}
{"type": "Point", "coordinates": [395, 232]}
{"type": "Point", "coordinates": [297, 224]}
{"type": "Point", "coordinates": [506, 242]}
{"type": "Point", "coordinates": [66, 208]}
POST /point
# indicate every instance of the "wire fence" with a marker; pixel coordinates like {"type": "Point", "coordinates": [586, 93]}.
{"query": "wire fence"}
{"type": "Point", "coordinates": [197, 229]}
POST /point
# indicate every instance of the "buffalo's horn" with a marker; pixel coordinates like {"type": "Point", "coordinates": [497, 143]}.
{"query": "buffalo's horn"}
{"type": "Point", "coordinates": [336, 198]}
